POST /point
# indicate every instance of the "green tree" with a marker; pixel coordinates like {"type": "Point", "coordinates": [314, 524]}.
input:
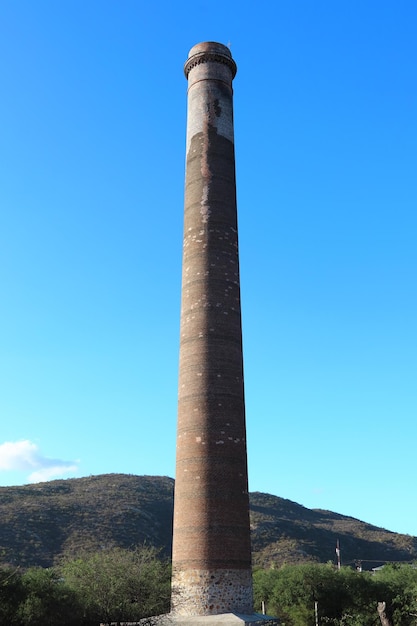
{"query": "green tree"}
{"type": "Point", "coordinates": [11, 594]}
{"type": "Point", "coordinates": [293, 592]}
{"type": "Point", "coordinates": [46, 601]}
{"type": "Point", "coordinates": [396, 585]}
{"type": "Point", "coordinates": [119, 585]}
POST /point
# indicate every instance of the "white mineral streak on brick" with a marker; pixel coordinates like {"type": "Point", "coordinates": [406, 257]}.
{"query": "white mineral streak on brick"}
{"type": "Point", "coordinates": [197, 110]}
{"type": "Point", "coordinates": [205, 208]}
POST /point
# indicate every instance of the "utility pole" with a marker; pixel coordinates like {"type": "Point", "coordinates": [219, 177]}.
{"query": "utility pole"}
{"type": "Point", "coordinates": [338, 553]}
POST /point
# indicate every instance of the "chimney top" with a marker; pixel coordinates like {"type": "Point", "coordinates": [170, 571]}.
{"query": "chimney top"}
{"type": "Point", "coordinates": [209, 51]}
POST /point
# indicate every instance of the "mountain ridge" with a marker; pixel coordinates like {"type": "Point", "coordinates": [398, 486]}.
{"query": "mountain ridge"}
{"type": "Point", "coordinates": [39, 523]}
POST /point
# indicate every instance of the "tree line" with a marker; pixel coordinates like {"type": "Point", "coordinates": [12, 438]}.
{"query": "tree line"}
{"type": "Point", "coordinates": [314, 594]}
{"type": "Point", "coordinates": [128, 585]}
{"type": "Point", "coordinates": [108, 586]}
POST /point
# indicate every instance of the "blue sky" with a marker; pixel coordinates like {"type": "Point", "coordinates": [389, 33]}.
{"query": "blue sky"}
{"type": "Point", "coordinates": [92, 154]}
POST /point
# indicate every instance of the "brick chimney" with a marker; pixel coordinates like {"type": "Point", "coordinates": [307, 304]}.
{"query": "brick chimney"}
{"type": "Point", "coordinates": [211, 545]}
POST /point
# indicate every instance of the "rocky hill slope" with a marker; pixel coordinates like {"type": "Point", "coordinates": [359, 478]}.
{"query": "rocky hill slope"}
{"type": "Point", "coordinates": [39, 523]}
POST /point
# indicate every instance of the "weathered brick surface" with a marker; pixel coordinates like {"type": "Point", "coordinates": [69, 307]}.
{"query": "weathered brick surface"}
{"type": "Point", "coordinates": [211, 547]}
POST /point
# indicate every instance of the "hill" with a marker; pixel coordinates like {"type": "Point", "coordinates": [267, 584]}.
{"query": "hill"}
{"type": "Point", "coordinates": [286, 532]}
{"type": "Point", "coordinates": [38, 523]}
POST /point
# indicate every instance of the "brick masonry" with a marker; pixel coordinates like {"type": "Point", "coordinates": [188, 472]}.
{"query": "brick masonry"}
{"type": "Point", "coordinates": [211, 543]}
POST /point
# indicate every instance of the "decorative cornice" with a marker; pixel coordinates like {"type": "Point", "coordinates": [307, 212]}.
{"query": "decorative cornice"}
{"type": "Point", "coordinates": [209, 57]}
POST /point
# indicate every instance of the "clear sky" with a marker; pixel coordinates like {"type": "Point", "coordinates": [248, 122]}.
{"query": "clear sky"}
{"type": "Point", "coordinates": [92, 152]}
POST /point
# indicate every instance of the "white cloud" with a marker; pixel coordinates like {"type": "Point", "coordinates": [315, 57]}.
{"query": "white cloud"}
{"type": "Point", "coordinates": [25, 456]}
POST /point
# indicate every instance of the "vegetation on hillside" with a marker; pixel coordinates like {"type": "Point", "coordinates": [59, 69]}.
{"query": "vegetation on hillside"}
{"type": "Point", "coordinates": [39, 523]}
{"type": "Point", "coordinates": [284, 532]}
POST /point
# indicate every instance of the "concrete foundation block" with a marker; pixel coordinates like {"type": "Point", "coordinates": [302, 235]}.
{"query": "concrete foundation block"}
{"type": "Point", "coordinates": [223, 619]}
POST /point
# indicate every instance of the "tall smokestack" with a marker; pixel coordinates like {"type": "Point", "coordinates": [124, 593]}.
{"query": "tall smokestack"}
{"type": "Point", "coordinates": [211, 545]}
